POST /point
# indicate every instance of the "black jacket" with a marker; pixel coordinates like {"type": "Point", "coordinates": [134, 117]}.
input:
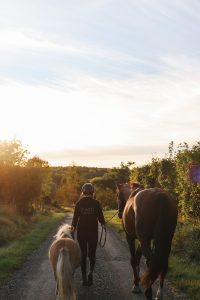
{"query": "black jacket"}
{"type": "Point", "coordinates": [87, 213]}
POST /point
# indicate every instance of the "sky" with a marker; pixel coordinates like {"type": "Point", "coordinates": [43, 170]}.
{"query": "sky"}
{"type": "Point", "coordinates": [98, 82]}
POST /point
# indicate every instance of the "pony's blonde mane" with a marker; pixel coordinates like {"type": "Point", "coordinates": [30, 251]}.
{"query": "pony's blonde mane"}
{"type": "Point", "coordinates": [64, 231]}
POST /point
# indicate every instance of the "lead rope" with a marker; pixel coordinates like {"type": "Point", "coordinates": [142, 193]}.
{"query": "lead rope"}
{"type": "Point", "coordinates": [103, 230]}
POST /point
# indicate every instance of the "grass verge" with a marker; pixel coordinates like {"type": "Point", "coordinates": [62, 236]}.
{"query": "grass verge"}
{"type": "Point", "coordinates": [15, 254]}
{"type": "Point", "coordinates": [114, 222]}
{"type": "Point", "coordinates": [183, 273]}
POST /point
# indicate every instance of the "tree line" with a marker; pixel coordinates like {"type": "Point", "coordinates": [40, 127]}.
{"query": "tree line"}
{"type": "Point", "coordinates": [30, 184]}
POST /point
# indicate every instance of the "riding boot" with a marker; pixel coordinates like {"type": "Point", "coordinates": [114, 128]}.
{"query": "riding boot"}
{"type": "Point", "coordinates": [90, 274]}
{"type": "Point", "coordinates": [83, 271]}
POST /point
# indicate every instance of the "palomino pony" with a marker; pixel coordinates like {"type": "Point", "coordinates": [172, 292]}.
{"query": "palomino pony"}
{"type": "Point", "coordinates": [65, 257]}
{"type": "Point", "coordinates": [149, 215]}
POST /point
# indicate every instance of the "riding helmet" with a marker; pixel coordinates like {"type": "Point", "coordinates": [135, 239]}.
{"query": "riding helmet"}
{"type": "Point", "coordinates": [87, 189]}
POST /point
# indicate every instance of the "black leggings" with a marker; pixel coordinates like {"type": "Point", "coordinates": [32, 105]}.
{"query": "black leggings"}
{"type": "Point", "coordinates": [88, 245]}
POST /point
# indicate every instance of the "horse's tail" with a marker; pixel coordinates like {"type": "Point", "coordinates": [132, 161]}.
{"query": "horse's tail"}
{"type": "Point", "coordinates": [163, 234]}
{"type": "Point", "coordinates": [64, 275]}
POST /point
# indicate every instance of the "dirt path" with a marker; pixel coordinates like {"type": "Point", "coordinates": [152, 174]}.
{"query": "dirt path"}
{"type": "Point", "coordinates": [112, 277]}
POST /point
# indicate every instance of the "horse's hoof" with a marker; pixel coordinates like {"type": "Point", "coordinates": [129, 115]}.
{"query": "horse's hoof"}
{"type": "Point", "coordinates": [90, 279]}
{"type": "Point", "coordinates": [84, 283]}
{"type": "Point", "coordinates": [159, 298]}
{"type": "Point", "coordinates": [136, 289]}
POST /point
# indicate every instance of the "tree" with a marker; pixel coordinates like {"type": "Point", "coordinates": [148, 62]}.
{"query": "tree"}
{"type": "Point", "coordinates": [12, 153]}
{"type": "Point", "coordinates": [35, 161]}
{"type": "Point", "coordinates": [68, 193]}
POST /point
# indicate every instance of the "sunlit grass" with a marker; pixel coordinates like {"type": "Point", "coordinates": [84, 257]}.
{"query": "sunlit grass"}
{"type": "Point", "coordinates": [114, 222]}
{"type": "Point", "coordinates": [14, 255]}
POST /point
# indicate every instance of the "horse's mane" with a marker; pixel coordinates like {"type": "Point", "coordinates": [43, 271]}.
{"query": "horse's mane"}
{"type": "Point", "coordinates": [64, 231]}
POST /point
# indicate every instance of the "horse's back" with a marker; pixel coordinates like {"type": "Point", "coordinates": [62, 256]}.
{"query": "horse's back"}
{"type": "Point", "coordinates": [149, 205]}
{"type": "Point", "coordinates": [71, 246]}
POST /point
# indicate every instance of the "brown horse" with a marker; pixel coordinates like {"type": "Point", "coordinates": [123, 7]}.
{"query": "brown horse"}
{"type": "Point", "coordinates": [149, 215]}
{"type": "Point", "coordinates": [65, 257]}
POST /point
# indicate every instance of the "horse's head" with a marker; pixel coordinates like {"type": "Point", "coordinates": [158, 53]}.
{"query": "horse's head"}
{"type": "Point", "coordinates": [124, 191]}
{"type": "Point", "coordinates": [64, 231]}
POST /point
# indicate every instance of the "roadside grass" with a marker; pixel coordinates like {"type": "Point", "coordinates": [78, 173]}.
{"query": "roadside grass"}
{"type": "Point", "coordinates": [185, 275]}
{"type": "Point", "coordinates": [114, 222]}
{"type": "Point", "coordinates": [13, 255]}
{"type": "Point", "coordinates": [184, 270]}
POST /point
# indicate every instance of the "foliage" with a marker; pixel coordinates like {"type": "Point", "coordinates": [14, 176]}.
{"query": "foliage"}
{"type": "Point", "coordinates": [69, 191]}
{"type": "Point", "coordinates": [35, 161]}
{"type": "Point", "coordinates": [172, 174]}
{"type": "Point", "coordinates": [24, 183]}
{"type": "Point", "coordinates": [186, 241]}
{"type": "Point", "coordinates": [107, 197]}
{"type": "Point", "coordinates": [12, 153]}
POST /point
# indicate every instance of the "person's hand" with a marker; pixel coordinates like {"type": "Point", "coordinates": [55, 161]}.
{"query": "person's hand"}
{"type": "Point", "coordinates": [72, 234]}
{"type": "Point", "coordinates": [120, 215]}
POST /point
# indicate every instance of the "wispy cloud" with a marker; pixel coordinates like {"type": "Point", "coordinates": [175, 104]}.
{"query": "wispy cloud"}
{"type": "Point", "coordinates": [19, 41]}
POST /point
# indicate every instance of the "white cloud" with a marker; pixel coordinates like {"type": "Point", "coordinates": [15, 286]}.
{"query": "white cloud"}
{"type": "Point", "coordinates": [19, 41]}
{"type": "Point", "coordinates": [104, 114]}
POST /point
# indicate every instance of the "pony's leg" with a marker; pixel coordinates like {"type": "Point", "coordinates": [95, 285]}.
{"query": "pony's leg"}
{"type": "Point", "coordinates": [159, 295]}
{"type": "Point", "coordinates": [56, 289]}
{"type": "Point", "coordinates": [135, 259]}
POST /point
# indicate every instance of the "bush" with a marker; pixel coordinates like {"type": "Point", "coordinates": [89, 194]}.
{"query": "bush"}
{"type": "Point", "coordinates": [193, 248]}
{"type": "Point", "coordinates": [186, 241]}
{"type": "Point", "coordinates": [106, 197]}
{"type": "Point", "coordinates": [11, 228]}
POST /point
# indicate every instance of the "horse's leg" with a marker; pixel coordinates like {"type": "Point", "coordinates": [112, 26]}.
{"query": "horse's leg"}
{"type": "Point", "coordinates": [148, 293]}
{"type": "Point", "coordinates": [135, 259]}
{"type": "Point", "coordinates": [138, 255]}
{"type": "Point", "coordinates": [159, 295]}
{"type": "Point", "coordinates": [146, 251]}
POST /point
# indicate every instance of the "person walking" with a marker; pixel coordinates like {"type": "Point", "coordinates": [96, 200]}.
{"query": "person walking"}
{"type": "Point", "coordinates": [87, 213]}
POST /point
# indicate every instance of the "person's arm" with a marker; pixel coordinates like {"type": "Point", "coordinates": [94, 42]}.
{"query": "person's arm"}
{"type": "Point", "coordinates": [100, 215]}
{"type": "Point", "coordinates": [75, 216]}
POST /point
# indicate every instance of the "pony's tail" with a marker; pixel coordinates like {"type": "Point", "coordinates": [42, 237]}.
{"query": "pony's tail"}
{"type": "Point", "coordinates": [64, 275]}
{"type": "Point", "coordinates": [161, 243]}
